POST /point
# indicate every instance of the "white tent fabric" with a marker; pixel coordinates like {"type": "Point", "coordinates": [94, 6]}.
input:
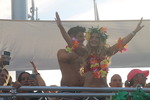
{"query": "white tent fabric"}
{"type": "Point", "coordinates": [39, 41]}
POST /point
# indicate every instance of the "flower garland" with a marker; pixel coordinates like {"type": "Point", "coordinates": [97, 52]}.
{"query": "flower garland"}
{"type": "Point", "coordinates": [74, 46]}
{"type": "Point", "coordinates": [100, 69]}
{"type": "Point", "coordinates": [101, 31]}
{"type": "Point", "coordinates": [119, 45]}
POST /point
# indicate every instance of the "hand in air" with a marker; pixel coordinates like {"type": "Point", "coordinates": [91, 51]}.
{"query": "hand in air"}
{"type": "Point", "coordinates": [57, 19]}
{"type": "Point", "coordinates": [138, 27]}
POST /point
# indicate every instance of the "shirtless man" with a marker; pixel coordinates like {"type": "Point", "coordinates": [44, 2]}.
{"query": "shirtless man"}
{"type": "Point", "coordinates": [70, 61]}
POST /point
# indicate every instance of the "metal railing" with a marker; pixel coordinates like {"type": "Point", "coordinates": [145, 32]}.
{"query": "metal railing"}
{"type": "Point", "coordinates": [105, 91]}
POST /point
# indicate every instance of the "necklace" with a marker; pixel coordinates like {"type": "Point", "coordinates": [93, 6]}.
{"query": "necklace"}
{"type": "Point", "coordinates": [98, 66]}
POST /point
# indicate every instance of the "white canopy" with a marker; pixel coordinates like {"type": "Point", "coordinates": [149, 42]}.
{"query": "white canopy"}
{"type": "Point", "coordinates": [39, 41]}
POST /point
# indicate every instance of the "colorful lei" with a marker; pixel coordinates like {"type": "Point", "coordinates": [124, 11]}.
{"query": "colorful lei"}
{"type": "Point", "coordinates": [120, 46]}
{"type": "Point", "coordinates": [101, 31]}
{"type": "Point", "coordinates": [100, 69]}
{"type": "Point", "coordinates": [75, 45]}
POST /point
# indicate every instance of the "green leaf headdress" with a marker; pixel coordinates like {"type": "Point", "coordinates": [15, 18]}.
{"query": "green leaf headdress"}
{"type": "Point", "coordinates": [101, 31]}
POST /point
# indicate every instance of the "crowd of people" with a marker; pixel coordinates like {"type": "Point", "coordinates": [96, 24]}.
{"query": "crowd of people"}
{"type": "Point", "coordinates": [81, 65]}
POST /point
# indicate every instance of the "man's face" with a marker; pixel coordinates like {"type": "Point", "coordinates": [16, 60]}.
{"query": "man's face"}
{"type": "Point", "coordinates": [80, 37]}
{"type": "Point", "coordinates": [3, 77]}
{"type": "Point", "coordinates": [116, 81]}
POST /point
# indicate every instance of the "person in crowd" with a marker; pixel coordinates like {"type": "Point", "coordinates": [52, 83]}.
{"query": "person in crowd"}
{"type": "Point", "coordinates": [53, 91]}
{"type": "Point", "coordinates": [70, 59]}
{"type": "Point", "coordinates": [27, 79]}
{"type": "Point", "coordinates": [10, 83]}
{"type": "Point", "coordinates": [39, 78]}
{"type": "Point", "coordinates": [99, 54]}
{"type": "Point", "coordinates": [116, 81]}
{"type": "Point", "coordinates": [4, 78]}
{"type": "Point", "coordinates": [23, 78]}
{"type": "Point", "coordinates": [4, 74]}
{"type": "Point", "coordinates": [136, 77]}
{"type": "Point", "coordinates": [54, 98]}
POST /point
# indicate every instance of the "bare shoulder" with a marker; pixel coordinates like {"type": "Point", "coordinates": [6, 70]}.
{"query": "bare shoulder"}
{"type": "Point", "coordinates": [62, 55]}
{"type": "Point", "coordinates": [61, 52]}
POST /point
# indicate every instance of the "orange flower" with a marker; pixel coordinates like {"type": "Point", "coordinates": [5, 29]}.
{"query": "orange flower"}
{"type": "Point", "coordinates": [104, 29]}
{"type": "Point", "coordinates": [120, 46]}
{"type": "Point", "coordinates": [104, 65]}
{"type": "Point", "coordinates": [75, 44]}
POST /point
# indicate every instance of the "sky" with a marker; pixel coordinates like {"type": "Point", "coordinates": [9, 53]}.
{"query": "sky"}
{"type": "Point", "coordinates": [83, 10]}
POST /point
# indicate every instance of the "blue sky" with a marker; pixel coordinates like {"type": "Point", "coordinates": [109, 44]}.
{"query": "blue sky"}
{"type": "Point", "coordinates": [83, 9]}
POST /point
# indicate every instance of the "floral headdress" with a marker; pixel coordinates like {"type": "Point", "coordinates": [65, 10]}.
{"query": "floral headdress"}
{"type": "Point", "coordinates": [101, 31]}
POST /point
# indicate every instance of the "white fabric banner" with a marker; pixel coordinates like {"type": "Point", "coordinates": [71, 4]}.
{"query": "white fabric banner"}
{"type": "Point", "coordinates": [39, 41]}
